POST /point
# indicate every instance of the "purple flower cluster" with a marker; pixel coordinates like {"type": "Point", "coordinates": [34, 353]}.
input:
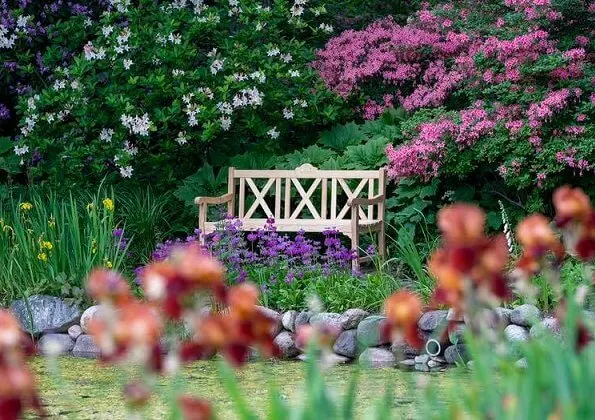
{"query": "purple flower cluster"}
{"type": "Point", "coordinates": [267, 248]}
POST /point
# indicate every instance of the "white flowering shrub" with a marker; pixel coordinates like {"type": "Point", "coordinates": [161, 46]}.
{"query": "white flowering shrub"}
{"type": "Point", "coordinates": [161, 86]}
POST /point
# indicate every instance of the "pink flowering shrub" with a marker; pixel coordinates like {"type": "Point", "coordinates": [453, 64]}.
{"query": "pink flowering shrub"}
{"type": "Point", "coordinates": [513, 82]}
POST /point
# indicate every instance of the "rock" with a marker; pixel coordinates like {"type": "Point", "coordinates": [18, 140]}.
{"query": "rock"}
{"type": "Point", "coordinates": [303, 318]}
{"type": "Point", "coordinates": [91, 313]}
{"type": "Point", "coordinates": [377, 357]}
{"type": "Point", "coordinates": [85, 347]}
{"type": "Point", "coordinates": [369, 333]}
{"type": "Point", "coordinates": [55, 344]}
{"type": "Point", "coordinates": [551, 325]}
{"type": "Point", "coordinates": [457, 334]}
{"type": "Point", "coordinates": [470, 364]}
{"type": "Point", "coordinates": [503, 316]}
{"type": "Point", "coordinates": [328, 321]}
{"type": "Point", "coordinates": [456, 353]}
{"type": "Point", "coordinates": [409, 363]}
{"type": "Point", "coordinates": [45, 314]}
{"type": "Point", "coordinates": [286, 343]}
{"type": "Point", "coordinates": [521, 363]}
{"type": "Point", "coordinates": [276, 316]}
{"type": "Point", "coordinates": [403, 350]}
{"type": "Point", "coordinates": [74, 331]}
{"type": "Point", "coordinates": [438, 359]}
{"type": "Point", "coordinates": [515, 333]}
{"type": "Point", "coordinates": [346, 344]}
{"type": "Point", "coordinates": [422, 359]}
{"type": "Point", "coordinates": [288, 320]}
{"type": "Point", "coordinates": [432, 320]}
{"type": "Point", "coordinates": [453, 316]}
{"type": "Point", "coordinates": [422, 368]}
{"type": "Point", "coordinates": [525, 315]}
{"type": "Point", "coordinates": [352, 317]}
{"type": "Point", "coordinates": [433, 364]}
{"type": "Point", "coordinates": [330, 359]}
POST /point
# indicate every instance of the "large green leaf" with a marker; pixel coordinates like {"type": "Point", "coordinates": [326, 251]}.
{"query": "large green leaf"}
{"type": "Point", "coordinates": [341, 136]}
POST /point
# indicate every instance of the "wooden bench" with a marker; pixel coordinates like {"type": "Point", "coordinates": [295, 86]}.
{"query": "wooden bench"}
{"type": "Point", "coordinates": [306, 199]}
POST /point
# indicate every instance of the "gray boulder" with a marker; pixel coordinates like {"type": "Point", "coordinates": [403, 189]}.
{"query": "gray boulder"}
{"type": "Point", "coordinates": [85, 347]}
{"type": "Point", "coordinates": [327, 358]}
{"type": "Point", "coordinates": [369, 331]}
{"type": "Point", "coordinates": [74, 331]}
{"type": "Point", "coordinates": [302, 318]}
{"type": "Point", "coordinates": [525, 315]}
{"type": "Point", "coordinates": [352, 317]}
{"type": "Point", "coordinates": [457, 334]}
{"type": "Point", "coordinates": [286, 343]}
{"type": "Point", "coordinates": [407, 363]}
{"type": "Point", "coordinates": [516, 333]}
{"type": "Point", "coordinates": [328, 321]}
{"type": "Point", "coordinates": [55, 344]}
{"type": "Point", "coordinates": [346, 344]}
{"type": "Point", "coordinates": [403, 350]}
{"type": "Point", "coordinates": [503, 316]}
{"type": "Point", "coordinates": [432, 320]}
{"type": "Point", "coordinates": [456, 353]}
{"type": "Point", "coordinates": [45, 314]}
{"type": "Point", "coordinates": [377, 357]}
{"type": "Point", "coordinates": [422, 359]}
{"type": "Point", "coordinates": [288, 320]}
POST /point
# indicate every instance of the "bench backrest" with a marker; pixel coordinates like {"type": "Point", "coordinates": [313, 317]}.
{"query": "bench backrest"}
{"type": "Point", "coordinates": [317, 194]}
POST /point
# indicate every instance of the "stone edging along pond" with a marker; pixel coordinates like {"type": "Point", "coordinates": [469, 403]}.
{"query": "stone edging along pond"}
{"type": "Point", "coordinates": [62, 325]}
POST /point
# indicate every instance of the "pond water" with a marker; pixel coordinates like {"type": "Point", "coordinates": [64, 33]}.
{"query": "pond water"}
{"type": "Point", "coordinates": [85, 390]}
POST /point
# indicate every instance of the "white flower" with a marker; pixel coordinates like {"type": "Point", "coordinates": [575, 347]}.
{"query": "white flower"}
{"type": "Point", "coordinates": [217, 66]}
{"type": "Point", "coordinates": [239, 77]}
{"type": "Point", "coordinates": [106, 135]}
{"type": "Point", "coordinates": [127, 63]}
{"type": "Point", "coordinates": [50, 117]}
{"type": "Point", "coordinates": [225, 108]}
{"type": "Point", "coordinates": [136, 124]}
{"type": "Point", "coordinates": [20, 151]}
{"type": "Point", "coordinates": [212, 53]}
{"type": "Point", "coordinates": [247, 97]}
{"type": "Point", "coordinates": [126, 172]}
{"type": "Point", "coordinates": [234, 3]}
{"type": "Point", "coordinates": [22, 21]}
{"type": "Point", "coordinates": [300, 102]}
{"type": "Point", "coordinates": [123, 37]}
{"type": "Point", "coordinates": [258, 75]}
{"type": "Point", "coordinates": [175, 39]}
{"type": "Point", "coordinates": [287, 114]}
{"type": "Point", "coordinates": [75, 84]}
{"type": "Point", "coordinates": [294, 73]}
{"type": "Point", "coordinates": [59, 84]}
{"type": "Point", "coordinates": [178, 72]}
{"type": "Point", "coordinates": [121, 5]}
{"type": "Point", "coordinates": [326, 27]}
{"type": "Point", "coordinates": [130, 148]}
{"type": "Point", "coordinates": [107, 30]}
{"type": "Point", "coordinates": [260, 26]}
{"type": "Point", "coordinates": [286, 58]}
{"type": "Point", "coordinates": [181, 139]}
{"type": "Point", "coordinates": [225, 123]}
{"type": "Point", "coordinates": [296, 10]}
{"type": "Point", "coordinates": [207, 92]}
{"type": "Point", "coordinates": [273, 133]}
{"type": "Point", "coordinates": [273, 52]}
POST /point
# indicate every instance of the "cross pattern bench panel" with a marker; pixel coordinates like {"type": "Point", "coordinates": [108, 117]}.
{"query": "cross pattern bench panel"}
{"type": "Point", "coordinates": [306, 198]}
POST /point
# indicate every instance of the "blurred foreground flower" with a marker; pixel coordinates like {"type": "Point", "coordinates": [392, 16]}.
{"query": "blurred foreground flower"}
{"type": "Point", "coordinates": [403, 309]}
{"type": "Point", "coordinates": [575, 215]}
{"type": "Point", "coordinates": [17, 384]}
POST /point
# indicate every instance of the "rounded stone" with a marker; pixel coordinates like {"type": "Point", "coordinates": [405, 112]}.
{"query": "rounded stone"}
{"type": "Point", "coordinates": [525, 315]}
{"type": "Point", "coordinates": [377, 357]}
{"type": "Point", "coordinates": [302, 318]}
{"type": "Point", "coordinates": [90, 314]}
{"type": "Point", "coordinates": [516, 333]}
{"type": "Point", "coordinates": [352, 317]}
{"type": "Point", "coordinates": [85, 347]}
{"type": "Point", "coordinates": [422, 359]}
{"type": "Point", "coordinates": [431, 320]}
{"type": "Point", "coordinates": [402, 350]}
{"type": "Point", "coordinates": [457, 334]}
{"type": "Point", "coordinates": [74, 331]}
{"type": "Point", "coordinates": [55, 344]}
{"type": "Point", "coordinates": [369, 331]}
{"type": "Point", "coordinates": [346, 344]}
{"type": "Point", "coordinates": [288, 320]}
{"type": "Point", "coordinates": [327, 320]}
{"type": "Point", "coordinates": [456, 353]}
{"type": "Point", "coordinates": [285, 341]}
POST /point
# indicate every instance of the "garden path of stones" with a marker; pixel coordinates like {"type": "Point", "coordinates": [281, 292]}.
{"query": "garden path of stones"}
{"type": "Point", "coordinates": [63, 328]}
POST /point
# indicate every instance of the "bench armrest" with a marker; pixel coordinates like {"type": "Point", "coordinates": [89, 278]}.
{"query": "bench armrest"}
{"type": "Point", "coordinates": [225, 198]}
{"type": "Point", "coordinates": [377, 199]}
